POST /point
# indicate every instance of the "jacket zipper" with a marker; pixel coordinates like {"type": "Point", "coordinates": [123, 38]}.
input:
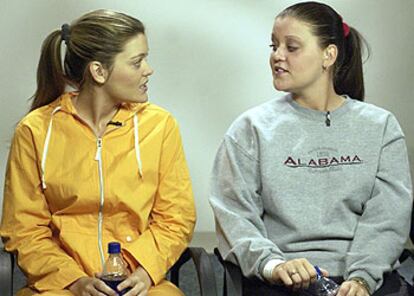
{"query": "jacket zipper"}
{"type": "Point", "coordinates": [98, 158]}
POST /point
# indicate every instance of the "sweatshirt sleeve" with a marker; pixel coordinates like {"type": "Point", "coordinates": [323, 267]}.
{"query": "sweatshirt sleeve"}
{"type": "Point", "coordinates": [26, 221]}
{"type": "Point", "coordinates": [384, 225]}
{"type": "Point", "coordinates": [237, 204]}
{"type": "Point", "coordinates": [172, 218]}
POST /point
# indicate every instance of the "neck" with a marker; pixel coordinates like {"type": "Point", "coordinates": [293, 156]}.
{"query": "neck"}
{"type": "Point", "coordinates": [95, 108]}
{"type": "Point", "coordinates": [319, 98]}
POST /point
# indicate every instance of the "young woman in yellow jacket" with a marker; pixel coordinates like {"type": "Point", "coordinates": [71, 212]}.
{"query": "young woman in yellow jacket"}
{"type": "Point", "coordinates": [97, 165]}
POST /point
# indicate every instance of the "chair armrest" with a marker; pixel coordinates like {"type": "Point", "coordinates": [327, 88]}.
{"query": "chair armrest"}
{"type": "Point", "coordinates": [233, 285]}
{"type": "Point", "coordinates": [204, 268]}
{"type": "Point", "coordinates": [406, 268]}
{"type": "Point", "coordinates": [6, 272]}
{"type": "Point", "coordinates": [406, 254]}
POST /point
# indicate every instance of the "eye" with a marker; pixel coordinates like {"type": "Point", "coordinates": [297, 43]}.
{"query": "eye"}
{"type": "Point", "coordinates": [273, 46]}
{"type": "Point", "coordinates": [137, 64]}
{"type": "Point", "coordinates": [292, 48]}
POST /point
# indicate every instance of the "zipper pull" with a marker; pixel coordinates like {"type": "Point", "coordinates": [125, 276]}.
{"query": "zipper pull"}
{"type": "Point", "coordinates": [328, 119]}
{"type": "Point", "coordinates": [98, 149]}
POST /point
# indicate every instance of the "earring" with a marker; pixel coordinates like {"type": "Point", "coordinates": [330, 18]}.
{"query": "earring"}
{"type": "Point", "coordinates": [324, 68]}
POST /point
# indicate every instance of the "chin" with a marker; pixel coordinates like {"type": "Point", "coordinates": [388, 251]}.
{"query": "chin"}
{"type": "Point", "coordinates": [280, 87]}
{"type": "Point", "coordinates": [142, 99]}
{"type": "Point", "coordinates": [139, 99]}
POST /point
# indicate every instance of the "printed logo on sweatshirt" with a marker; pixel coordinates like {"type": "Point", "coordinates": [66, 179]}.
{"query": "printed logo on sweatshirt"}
{"type": "Point", "coordinates": [323, 158]}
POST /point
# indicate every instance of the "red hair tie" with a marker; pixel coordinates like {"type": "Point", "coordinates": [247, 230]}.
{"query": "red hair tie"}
{"type": "Point", "coordinates": [346, 29]}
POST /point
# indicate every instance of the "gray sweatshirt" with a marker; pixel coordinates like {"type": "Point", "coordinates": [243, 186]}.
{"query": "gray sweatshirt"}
{"type": "Point", "coordinates": [286, 185]}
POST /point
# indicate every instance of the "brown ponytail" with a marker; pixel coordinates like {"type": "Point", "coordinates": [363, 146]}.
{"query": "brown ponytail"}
{"type": "Point", "coordinates": [50, 77]}
{"type": "Point", "coordinates": [348, 75]}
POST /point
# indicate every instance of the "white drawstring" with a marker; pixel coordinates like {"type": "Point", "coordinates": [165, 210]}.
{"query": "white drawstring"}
{"type": "Point", "coordinates": [46, 147]}
{"type": "Point", "coordinates": [136, 144]}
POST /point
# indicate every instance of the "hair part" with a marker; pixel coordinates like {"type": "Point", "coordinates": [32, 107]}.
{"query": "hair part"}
{"type": "Point", "coordinates": [96, 36]}
{"type": "Point", "coordinates": [327, 25]}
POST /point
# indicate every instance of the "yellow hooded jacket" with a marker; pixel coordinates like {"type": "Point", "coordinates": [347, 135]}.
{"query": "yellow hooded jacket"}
{"type": "Point", "coordinates": [67, 193]}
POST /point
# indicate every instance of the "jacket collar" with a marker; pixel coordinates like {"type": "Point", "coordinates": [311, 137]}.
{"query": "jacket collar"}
{"type": "Point", "coordinates": [125, 112]}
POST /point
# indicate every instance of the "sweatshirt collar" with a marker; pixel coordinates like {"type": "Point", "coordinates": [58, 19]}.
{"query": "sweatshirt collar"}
{"type": "Point", "coordinates": [316, 114]}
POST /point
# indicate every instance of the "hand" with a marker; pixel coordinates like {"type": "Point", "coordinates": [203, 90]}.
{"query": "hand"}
{"type": "Point", "coordinates": [139, 281]}
{"type": "Point", "coordinates": [352, 288]}
{"type": "Point", "coordinates": [91, 286]}
{"type": "Point", "coordinates": [296, 273]}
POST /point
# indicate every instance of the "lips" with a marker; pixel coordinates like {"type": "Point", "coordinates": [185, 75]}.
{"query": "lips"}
{"type": "Point", "coordinates": [144, 86]}
{"type": "Point", "coordinates": [279, 70]}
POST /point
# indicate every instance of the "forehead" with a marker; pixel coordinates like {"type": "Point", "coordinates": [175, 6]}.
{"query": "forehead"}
{"type": "Point", "coordinates": [288, 26]}
{"type": "Point", "coordinates": [137, 45]}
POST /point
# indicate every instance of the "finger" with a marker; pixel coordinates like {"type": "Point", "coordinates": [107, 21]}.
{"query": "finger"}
{"type": "Point", "coordinates": [311, 272]}
{"type": "Point", "coordinates": [291, 269]}
{"type": "Point", "coordinates": [285, 278]}
{"type": "Point", "coordinates": [353, 290]}
{"type": "Point", "coordinates": [136, 290]}
{"type": "Point", "coordinates": [359, 289]}
{"type": "Point", "coordinates": [91, 290]}
{"type": "Point", "coordinates": [97, 293]}
{"type": "Point", "coordinates": [143, 293]}
{"type": "Point", "coordinates": [325, 273]}
{"type": "Point", "coordinates": [304, 276]}
{"type": "Point", "coordinates": [343, 290]}
{"type": "Point", "coordinates": [101, 286]}
{"type": "Point", "coordinates": [297, 281]}
{"type": "Point", "coordinates": [129, 282]}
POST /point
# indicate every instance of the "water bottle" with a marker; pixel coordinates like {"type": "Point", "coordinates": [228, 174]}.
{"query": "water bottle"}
{"type": "Point", "coordinates": [323, 286]}
{"type": "Point", "coordinates": [115, 270]}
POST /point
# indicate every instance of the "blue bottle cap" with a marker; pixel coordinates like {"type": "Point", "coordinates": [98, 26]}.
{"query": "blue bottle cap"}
{"type": "Point", "coordinates": [114, 248]}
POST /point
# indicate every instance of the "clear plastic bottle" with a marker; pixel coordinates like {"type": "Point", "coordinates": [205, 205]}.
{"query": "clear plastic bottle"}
{"type": "Point", "coordinates": [115, 269]}
{"type": "Point", "coordinates": [323, 286]}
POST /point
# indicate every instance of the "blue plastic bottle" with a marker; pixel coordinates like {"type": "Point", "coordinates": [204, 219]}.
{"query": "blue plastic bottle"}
{"type": "Point", "coordinates": [115, 270]}
{"type": "Point", "coordinates": [323, 286]}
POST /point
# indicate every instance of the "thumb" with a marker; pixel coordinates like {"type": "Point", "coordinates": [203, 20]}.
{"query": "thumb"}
{"type": "Point", "coordinates": [98, 274]}
{"type": "Point", "coordinates": [325, 273]}
{"type": "Point", "coordinates": [321, 271]}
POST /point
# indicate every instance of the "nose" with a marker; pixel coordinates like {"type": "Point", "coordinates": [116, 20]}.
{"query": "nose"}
{"type": "Point", "coordinates": [278, 54]}
{"type": "Point", "coordinates": [147, 69]}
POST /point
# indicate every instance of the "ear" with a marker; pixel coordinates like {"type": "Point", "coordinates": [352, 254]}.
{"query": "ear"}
{"type": "Point", "coordinates": [330, 53]}
{"type": "Point", "coordinates": [98, 72]}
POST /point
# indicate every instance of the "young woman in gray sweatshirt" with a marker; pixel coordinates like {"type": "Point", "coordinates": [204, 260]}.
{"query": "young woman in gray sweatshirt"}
{"type": "Point", "coordinates": [316, 177]}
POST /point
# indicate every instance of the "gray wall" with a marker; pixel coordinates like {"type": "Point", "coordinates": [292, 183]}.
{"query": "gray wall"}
{"type": "Point", "coordinates": [211, 63]}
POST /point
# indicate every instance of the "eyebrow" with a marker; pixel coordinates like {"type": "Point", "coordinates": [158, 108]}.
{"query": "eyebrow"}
{"type": "Point", "coordinates": [295, 38]}
{"type": "Point", "coordinates": [141, 55]}
{"type": "Point", "coordinates": [292, 37]}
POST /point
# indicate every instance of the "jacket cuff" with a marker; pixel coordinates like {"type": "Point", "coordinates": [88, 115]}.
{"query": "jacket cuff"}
{"type": "Point", "coordinates": [148, 257]}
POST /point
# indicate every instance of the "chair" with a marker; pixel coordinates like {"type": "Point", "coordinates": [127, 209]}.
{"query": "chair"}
{"type": "Point", "coordinates": [232, 277]}
{"type": "Point", "coordinates": [6, 272]}
{"type": "Point", "coordinates": [199, 256]}
{"type": "Point", "coordinates": [205, 272]}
